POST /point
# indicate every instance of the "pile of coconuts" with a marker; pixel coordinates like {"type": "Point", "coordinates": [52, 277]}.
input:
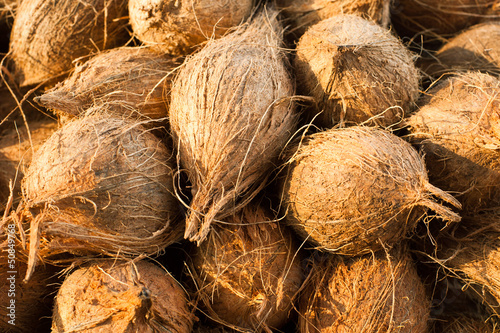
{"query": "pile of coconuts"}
{"type": "Point", "coordinates": [250, 166]}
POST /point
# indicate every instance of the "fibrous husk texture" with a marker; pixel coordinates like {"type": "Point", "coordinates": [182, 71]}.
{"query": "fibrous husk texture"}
{"type": "Point", "coordinates": [177, 27]}
{"type": "Point", "coordinates": [48, 35]}
{"type": "Point", "coordinates": [231, 114]}
{"type": "Point", "coordinates": [248, 272]}
{"type": "Point", "coordinates": [133, 82]}
{"type": "Point", "coordinates": [101, 184]}
{"type": "Point", "coordinates": [464, 324]}
{"type": "Point", "coordinates": [32, 300]}
{"type": "Point", "coordinates": [301, 14]}
{"type": "Point", "coordinates": [16, 150]}
{"type": "Point", "coordinates": [357, 72]}
{"type": "Point", "coordinates": [374, 293]}
{"type": "Point", "coordinates": [358, 189]}
{"type": "Point", "coordinates": [444, 17]}
{"type": "Point", "coordinates": [121, 297]}
{"type": "Point", "coordinates": [457, 126]}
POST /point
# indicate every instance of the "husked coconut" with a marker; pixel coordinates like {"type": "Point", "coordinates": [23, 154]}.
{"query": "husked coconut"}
{"type": "Point", "coordinates": [357, 72]}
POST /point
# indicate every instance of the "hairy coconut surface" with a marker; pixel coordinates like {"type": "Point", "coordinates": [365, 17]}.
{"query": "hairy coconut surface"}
{"type": "Point", "coordinates": [248, 272]}
{"type": "Point", "coordinates": [374, 293]}
{"type": "Point", "coordinates": [48, 35]}
{"type": "Point", "coordinates": [357, 190]}
{"type": "Point", "coordinates": [121, 297]}
{"type": "Point", "coordinates": [100, 184]}
{"type": "Point", "coordinates": [464, 324]}
{"type": "Point", "coordinates": [16, 150]}
{"type": "Point", "coordinates": [24, 307]}
{"type": "Point", "coordinates": [444, 17]}
{"type": "Point", "coordinates": [357, 71]}
{"type": "Point", "coordinates": [136, 85]}
{"type": "Point", "coordinates": [177, 27]}
{"type": "Point", "coordinates": [457, 126]}
{"type": "Point", "coordinates": [231, 114]}
{"type": "Point", "coordinates": [476, 48]}
{"type": "Point", "coordinates": [301, 14]}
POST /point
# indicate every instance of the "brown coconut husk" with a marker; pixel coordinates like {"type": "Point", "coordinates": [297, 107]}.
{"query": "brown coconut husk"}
{"type": "Point", "coordinates": [177, 27]}
{"type": "Point", "coordinates": [248, 272]}
{"type": "Point", "coordinates": [136, 85]}
{"type": "Point", "coordinates": [300, 15]}
{"type": "Point", "coordinates": [231, 114]}
{"type": "Point", "coordinates": [16, 150]}
{"type": "Point", "coordinates": [464, 324]}
{"type": "Point", "coordinates": [32, 300]}
{"type": "Point", "coordinates": [374, 293]}
{"type": "Point", "coordinates": [119, 297]}
{"type": "Point", "coordinates": [100, 185]}
{"type": "Point", "coordinates": [474, 49]}
{"type": "Point", "coordinates": [357, 190]}
{"type": "Point", "coordinates": [444, 18]}
{"type": "Point", "coordinates": [357, 71]}
{"type": "Point", "coordinates": [457, 127]}
{"type": "Point", "coordinates": [48, 36]}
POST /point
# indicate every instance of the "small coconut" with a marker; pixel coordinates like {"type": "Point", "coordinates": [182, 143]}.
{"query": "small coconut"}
{"type": "Point", "coordinates": [441, 18]}
{"type": "Point", "coordinates": [24, 307]}
{"type": "Point", "coordinates": [457, 126]}
{"type": "Point", "coordinates": [119, 297]}
{"type": "Point", "coordinates": [474, 49]}
{"type": "Point", "coordinates": [100, 184]}
{"type": "Point", "coordinates": [301, 14]}
{"type": "Point", "coordinates": [136, 86]}
{"type": "Point", "coordinates": [47, 36]}
{"type": "Point", "coordinates": [373, 293]}
{"type": "Point", "coordinates": [463, 324]}
{"type": "Point", "coordinates": [248, 272]}
{"type": "Point", "coordinates": [177, 27]}
{"type": "Point", "coordinates": [16, 150]}
{"type": "Point", "coordinates": [356, 190]}
{"type": "Point", "coordinates": [357, 72]}
{"type": "Point", "coordinates": [231, 114]}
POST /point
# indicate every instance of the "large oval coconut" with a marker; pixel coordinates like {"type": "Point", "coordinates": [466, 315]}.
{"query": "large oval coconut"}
{"type": "Point", "coordinates": [301, 14]}
{"type": "Point", "coordinates": [137, 85]}
{"type": "Point", "coordinates": [231, 114]}
{"type": "Point", "coordinates": [248, 272]}
{"type": "Point", "coordinates": [16, 150]}
{"type": "Point", "coordinates": [476, 48]}
{"type": "Point", "coordinates": [48, 35]}
{"type": "Point", "coordinates": [102, 185]}
{"type": "Point", "coordinates": [375, 293]}
{"type": "Point", "coordinates": [356, 71]}
{"type": "Point", "coordinates": [121, 297]}
{"type": "Point", "coordinates": [357, 190]}
{"type": "Point", "coordinates": [457, 127]}
{"type": "Point", "coordinates": [178, 27]}
{"type": "Point", "coordinates": [441, 18]}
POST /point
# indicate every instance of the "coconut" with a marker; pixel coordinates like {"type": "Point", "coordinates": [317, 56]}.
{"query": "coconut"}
{"type": "Point", "coordinates": [116, 296]}
{"type": "Point", "coordinates": [24, 307]}
{"type": "Point", "coordinates": [473, 49]}
{"type": "Point", "coordinates": [357, 72]}
{"type": "Point", "coordinates": [373, 293]}
{"type": "Point", "coordinates": [231, 114]}
{"type": "Point", "coordinates": [248, 272]}
{"type": "Point", "coordinates": [441, 18]}
{"type": "Point", "coordinates": [357, 190]}
{"type": "Point", "coordinates": [463, 324]}
{"type": "Point", "coordinates": [100, 185]}
{"type": "Point", "coordinates": [303, 13]}
{"type": "Point", "coordinates": [16, 150]}
{"type": "Point", "coordinates": [177, 27]}
{"type": "Point", "coordinates": [136, 86]}
{"type": "Point", "coordinates": [48, 35]}
{"type": "Point", "coordinates": [457, 127]}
